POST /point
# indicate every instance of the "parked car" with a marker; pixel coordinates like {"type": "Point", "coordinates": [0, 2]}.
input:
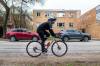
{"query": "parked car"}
{"type": "Point", "coordinates": [74, 34]}
{"type": "Point", "coordinates": [21, 34]}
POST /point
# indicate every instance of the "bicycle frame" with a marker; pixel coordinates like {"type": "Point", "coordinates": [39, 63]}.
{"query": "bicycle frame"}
{"type": "Point", "coordinates": [54, 40]}
{"type": "Point", "coordinates": [51, 42]}
{"type": "Point", "coordinates": [36, 50]}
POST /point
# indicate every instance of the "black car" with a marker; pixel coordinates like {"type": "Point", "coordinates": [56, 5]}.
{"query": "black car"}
{"type": "Point", "coordinates": [74, 34]}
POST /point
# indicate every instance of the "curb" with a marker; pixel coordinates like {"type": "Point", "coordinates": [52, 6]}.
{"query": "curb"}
{"type": "Point", "coordinates": [95, 39]}
{"type": "Point", "coordinates": [2, 39]}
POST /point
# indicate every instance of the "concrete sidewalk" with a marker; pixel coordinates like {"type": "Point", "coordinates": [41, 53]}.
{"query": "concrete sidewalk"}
{"type": "Point", "coordinates": [79, 58]}
{"type": "Point", "coordinates": [2, 39]}
{"type": "Point", "coordinates": [95, 39]}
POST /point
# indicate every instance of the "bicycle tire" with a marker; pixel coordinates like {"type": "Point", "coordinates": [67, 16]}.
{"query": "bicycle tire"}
{"type": "Point", "coordinates": [55, 43]}
{"type": "Point", "coordinates": [27, 49]}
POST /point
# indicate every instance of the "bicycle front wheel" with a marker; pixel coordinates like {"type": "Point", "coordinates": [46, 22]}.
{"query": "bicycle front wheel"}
{"type": "Point", "coordinates": [59, 48]}
{"type": "Point", "coordinates": [33, 49]}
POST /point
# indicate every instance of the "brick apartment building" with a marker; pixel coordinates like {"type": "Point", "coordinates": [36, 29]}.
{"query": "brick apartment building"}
{"type": "Point", "coordinates": [66, 19]}
{"type": "Point", "coordinates": [90, 22]}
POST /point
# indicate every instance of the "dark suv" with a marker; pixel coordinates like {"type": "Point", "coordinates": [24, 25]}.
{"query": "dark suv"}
{"type": "Point", "coordinates": [74, 34]}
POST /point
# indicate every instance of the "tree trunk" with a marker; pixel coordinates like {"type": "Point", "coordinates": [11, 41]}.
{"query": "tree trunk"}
{"type": "Point", "coordinates": [5, 22]}
{"type": "Point", "coordinates": [6, 16]}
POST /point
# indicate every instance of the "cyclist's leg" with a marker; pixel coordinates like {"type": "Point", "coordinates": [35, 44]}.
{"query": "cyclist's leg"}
{"type": "Point", "coordinates": [41, 34]}
{"type": "Point", "coordinates": [47, 34]}
{"type": "Point", "coordinates": [44, 37]}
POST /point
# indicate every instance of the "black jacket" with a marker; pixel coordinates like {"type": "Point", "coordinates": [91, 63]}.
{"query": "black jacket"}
{"type": "Point", "coordinates": [45, 26]}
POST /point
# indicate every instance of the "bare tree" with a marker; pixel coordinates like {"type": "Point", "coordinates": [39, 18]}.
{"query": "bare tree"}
{"type": "Point", "coordinates": [6, 15]}
{"type": "Point", "coordinates": [19, 2]}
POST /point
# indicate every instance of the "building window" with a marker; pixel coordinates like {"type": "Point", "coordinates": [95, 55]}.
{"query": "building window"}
{"type": "Point", "coordinates": [49, 14]}
{"type": "Point", "coordinates": [60, 14]}
{"type": "Point", "coordinates": [60, 24]}
{"type": "Point", "coordinates": [38, 14]}
{"type": "Point", "coordinates": [71, 14]}
{"type": "Point", "coordinates": [71, 24]}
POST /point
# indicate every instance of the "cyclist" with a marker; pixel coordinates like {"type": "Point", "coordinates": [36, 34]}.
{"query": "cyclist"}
{"type": "Point", "coordinates": [45, 30]}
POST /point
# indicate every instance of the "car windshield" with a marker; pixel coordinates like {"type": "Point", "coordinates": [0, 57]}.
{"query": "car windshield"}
{"type": "Point", "coordinates": [13, 30]}
{"type": "Point", "coordinates": [24, 30]}
{"type": "Point", "coordinates": [70, 30]}
{"type": "Point", "coordinates": [18, 30]}
{"type": "Point", "coordinates": [73, 31]}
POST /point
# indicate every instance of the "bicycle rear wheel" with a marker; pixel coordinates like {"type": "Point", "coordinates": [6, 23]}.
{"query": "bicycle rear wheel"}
{"type": "Point", "coordinates": [59, 48]}
{"type": "Point", "coordinates": [33, 49]}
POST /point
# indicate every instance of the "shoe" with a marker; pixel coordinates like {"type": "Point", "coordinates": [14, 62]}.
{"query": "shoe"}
{"type": "Point", "coordinates": [45, 50]}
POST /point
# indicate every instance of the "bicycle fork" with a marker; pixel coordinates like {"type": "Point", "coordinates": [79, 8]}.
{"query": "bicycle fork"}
{"type": "Point", "coordinates": [58, 46]}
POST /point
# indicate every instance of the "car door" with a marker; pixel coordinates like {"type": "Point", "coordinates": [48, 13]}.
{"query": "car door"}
{"type": "Point", "coordinates": [77, 34]}
{"type": "Point", "coordinates": [19, 34]}
{"type": "Point", "coordinates": [71, 34]}
{"type": "Point", "coordinates": [27, 34]}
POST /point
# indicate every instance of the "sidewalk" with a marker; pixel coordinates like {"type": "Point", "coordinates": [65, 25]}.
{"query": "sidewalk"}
{"type": "Point", "coordinates": [69, 58]}
{"type": "Point", "coordinates": [2, 39]}
{"type": "Point", "coordinates": [95, 39]}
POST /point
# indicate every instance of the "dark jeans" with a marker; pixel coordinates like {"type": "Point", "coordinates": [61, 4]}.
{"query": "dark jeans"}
{"type": "Point", "coordinates": [44, 36]}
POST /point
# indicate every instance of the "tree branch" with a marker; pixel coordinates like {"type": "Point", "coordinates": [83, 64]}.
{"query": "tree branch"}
{"type": "Point", "coordinates": [4, 4]}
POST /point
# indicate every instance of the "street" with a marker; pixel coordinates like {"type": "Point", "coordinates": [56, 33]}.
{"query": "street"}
{"type": "Point", "coordinates": [77, 51]}
{"type": "Point", "coordinates": [13, 49]}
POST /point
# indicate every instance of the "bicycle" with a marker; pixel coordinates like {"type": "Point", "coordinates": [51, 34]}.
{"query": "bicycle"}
{"type": "Point", "coordinates": [59, 48]}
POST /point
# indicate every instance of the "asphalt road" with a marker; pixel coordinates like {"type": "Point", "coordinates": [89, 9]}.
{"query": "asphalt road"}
{"type": "Point", "coordinates": [17, 49]}
{"type": "Point", "coordinates": [77, 51]}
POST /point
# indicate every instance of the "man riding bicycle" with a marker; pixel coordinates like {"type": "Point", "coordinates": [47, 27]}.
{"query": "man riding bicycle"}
{"type": "Point", "coordinates": [58, 47]}
{"type": "Point", "coordinates": [45, 30]}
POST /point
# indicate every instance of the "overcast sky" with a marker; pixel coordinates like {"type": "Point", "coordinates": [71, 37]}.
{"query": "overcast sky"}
{"type": "Point", "coordinates": [83, 5]}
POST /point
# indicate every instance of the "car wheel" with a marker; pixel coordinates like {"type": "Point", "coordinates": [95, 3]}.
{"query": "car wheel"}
{"type": "Point", "coordinates": [34, 38]}
{"type": "Point", "coordinates": [12, 38]}
{"type": "Point", "coordinates": [81, 40]}
{"type": "Point", "coordinates": [85, 39]}
{"type": "Point", "coordinates": [65, 39]}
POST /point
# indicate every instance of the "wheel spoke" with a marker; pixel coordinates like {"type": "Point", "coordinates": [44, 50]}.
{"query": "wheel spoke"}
{"type": "Point", "coordinates": [13, 38]}
{"type": "Point", "coordinates": [34, 49]}
{"type": "Point", "coordinates": [59, 50]}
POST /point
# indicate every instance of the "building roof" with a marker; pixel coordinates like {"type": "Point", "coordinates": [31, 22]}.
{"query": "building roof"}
{"type": "Point", "coordinates": [54, 10]}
